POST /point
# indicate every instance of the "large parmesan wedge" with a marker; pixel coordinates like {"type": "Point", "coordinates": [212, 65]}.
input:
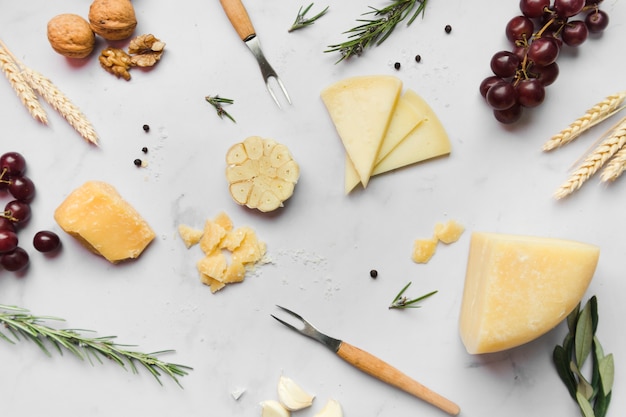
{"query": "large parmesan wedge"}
{"type": "Point", "coordinates": [97, 215]}
{"type": "Point", "coordinates": [404, 119]}
{"type": "Point", "coordinates": [428, 140]}
{"type": "Point", "coordinates": [361, 109]}
{"type": "Point", "coordinates": [517, 288]}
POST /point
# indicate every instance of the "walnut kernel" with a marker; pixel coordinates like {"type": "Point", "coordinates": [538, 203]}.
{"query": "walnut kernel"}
{"type": "Point", "coordinates": [145, 50]}
{"type": "Point", "coordinates": [112, 19]}
{"type": "Point", "coordinates": [115, 61]}
{"type": "Point", "coordinates": [70, 35]}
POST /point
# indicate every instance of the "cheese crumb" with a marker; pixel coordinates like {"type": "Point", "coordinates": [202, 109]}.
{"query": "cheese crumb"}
{"type": "Point", "coordinates": [423, 250]}
{"type": "Point", "coordinates": [449, 232]}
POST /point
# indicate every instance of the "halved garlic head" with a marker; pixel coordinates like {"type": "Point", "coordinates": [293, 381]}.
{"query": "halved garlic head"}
{"type": "Point", "coordinates": [292, 396]}
{"type": "Point", "coordinates": [331, 409]}
{"type": "Point", "coordinates": [271, 408]}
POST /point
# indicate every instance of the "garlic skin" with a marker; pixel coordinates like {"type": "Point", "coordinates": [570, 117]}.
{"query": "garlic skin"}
{"type": "Point", "coordinates": [331, 409]}
{"type": "Point", "coordinates": [292, 396]}
{"type": "Point", "coordinates": [271, 408]}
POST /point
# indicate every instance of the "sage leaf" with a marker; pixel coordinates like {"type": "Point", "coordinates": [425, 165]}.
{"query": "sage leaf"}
{"type": "Point", "coordinates": [606, 368]}
{"type": "Point", "coordinates": [585, 406]}
{"type": "Point", "coordinates": [584, 335]}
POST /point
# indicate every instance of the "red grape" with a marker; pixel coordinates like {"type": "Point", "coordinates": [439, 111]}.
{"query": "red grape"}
{"type": "Point", "coordinates": [46, 241]}
{"type": "Point", "coordinates": [543, 51]}
{"type": "Point", "coordinates": [508, 116]}
{"type": "Point", "coordinates": [487, 83]}
{"type": "Point", "coordinates": [22, 188]}
{"type": "Point", "coordinates": [504, 64]}
{"type": "Point", "coordinates": [16, 260]}
{"type": "Point", "coordinates": [501, 96]}
{"type": "Point", "coordinates": [574, 33]}
{"type": "Point", "coordinates": [519, 28]}
{"type": "Point", "coordinates": [533, 8]}
{"type": "Point", "coordinates": [547, 75]}
{"type": "Point", "coordinates": [6, 224]}
{"type": "Point", "coordinates": [530, 92]}
{"type": "Point", "coordinates": [14, 163]}
{"type": "Point", "coordinates": [18, 211]}
{"type": "Point", "coordinates": [8, 241]}
{"type": "Point", "coordinates": [597, 21]}
{"type": "Point", "coordinates": [568, 8]}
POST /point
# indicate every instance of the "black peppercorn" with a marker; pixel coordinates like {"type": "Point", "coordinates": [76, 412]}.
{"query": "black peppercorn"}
{"type": "Point", "coordinates": [448, 28]}
{"type": "Point", "coordinates": [146, 128]}
{"type": "Point", "coordinates": [396, 65]}
{"type": "Point", "coordinates": [418, 58]}
{"type": "Point", "coordinates": [144, 150]}
{"type": "Point", "coordinates": [373, 273]}
{"type": "Point", "coordinates": [137, 162]}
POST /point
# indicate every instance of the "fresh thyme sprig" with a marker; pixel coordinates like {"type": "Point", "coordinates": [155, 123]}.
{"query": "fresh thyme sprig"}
{"type": "Point", "coordinates": [22, 324]}
{"type": "Point", "coordinates": [592, 395]}
{"type": "Point", "coordinates": [217, 101]}
{"type": "Point", "coordinates": [400, 301]}
{"type": "Point", "coordinates": [302, 21]}
{"type": "Point", "coordinates": [376, 31]}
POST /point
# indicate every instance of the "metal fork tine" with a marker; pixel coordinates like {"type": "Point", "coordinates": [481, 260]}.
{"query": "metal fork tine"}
{"type": "Point", "coordinates": [309, 330]}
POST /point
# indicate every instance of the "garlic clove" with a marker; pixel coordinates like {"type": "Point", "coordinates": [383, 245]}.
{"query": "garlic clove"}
{"type": "Point", "coordinates": [271, 408]}
{"type": "Point", "coordinates": [331, 409]}
{"type": "Point", "coordinates": [292, 396]}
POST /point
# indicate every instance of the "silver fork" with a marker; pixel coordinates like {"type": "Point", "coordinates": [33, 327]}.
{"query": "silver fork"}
{"type": "Point", "coordinates": [238, 16]}
{"type": "Point", "coordinates": [371, 365]}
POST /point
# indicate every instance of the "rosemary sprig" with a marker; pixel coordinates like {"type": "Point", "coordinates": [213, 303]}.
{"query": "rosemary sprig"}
{"type": "Point", "coordinates": [217, 101]}
{"type": "Point", "coordinates": [20, 323]}
{"type": "Point", "coordinates": [302, 21]}
{"type": "Point", "coordinates": [375, 31]}
{"type": "Point", "coordinates": [592, 395]}
{"type": "Point", "coordinates": [401, 301]}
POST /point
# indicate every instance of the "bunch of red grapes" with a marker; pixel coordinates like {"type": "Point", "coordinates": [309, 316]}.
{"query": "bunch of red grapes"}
{"type": "Point", "coordinates": [17, 213]}
{"type": "Point", "coordinates": [522, 74]}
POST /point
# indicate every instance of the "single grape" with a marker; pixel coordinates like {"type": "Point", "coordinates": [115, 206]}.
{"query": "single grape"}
{"type": "Point", "coordinates": [543, 51]}
{"type": "Point", "coordinates": [519, 28]}
{"type": "Point", "coordinates": [16, 260]}
{"type": "Point", "coordinates": [6, 224]}
{"type": "Point", "coordinates": [568, 8]}
{"type": "Point", "coordinates": [533, 8]}
{"type": "Point", "coordinates": [530, 92]}
{"type": "Point", "coordinates": [18, 212]}
{"type": "Point", "coordinates": [46, 241]}
{"type": "Point", "coordinates": [510, 115]}
{"type": "Point", "coordinates": [14, 164]}
{"type": "Point", "coordinates": [487, 83]}
{"type": "Point", "coordinates": [504, 64]}
{"type": "Point", "coordinates": [597, 21]}
{"type": "Point", "coordinates": [574, 33]}
{"type": "Point", "coordinates": [22, 188]}
{"type": "Point", "coordinates": [501, 96]}
{"type": "Point", "coordinates": [547, 75]}
{"type": "Point", "coordinates": [8, 241]}
{"type": "Point", "coordinates": [520, 51]}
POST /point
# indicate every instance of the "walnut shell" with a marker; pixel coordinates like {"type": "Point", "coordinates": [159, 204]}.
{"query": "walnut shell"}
{"type": "Point", "coordinates": [112, 19]}
{"type": "Point", "coordinates": [70, 35]}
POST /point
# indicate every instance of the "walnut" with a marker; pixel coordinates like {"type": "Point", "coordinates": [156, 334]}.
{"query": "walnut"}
{"type": "Point", "coordinates": [116, 61]}
{"type": "Point", "coordinates": [70, 35]}
{"type": "Point", "coordinates": [145, 50]}
{"type": "Point", "coordinates": [112, 19]}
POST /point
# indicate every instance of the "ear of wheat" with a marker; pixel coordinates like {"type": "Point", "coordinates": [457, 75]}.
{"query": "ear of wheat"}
{"type": "Point", "coordinates": [23, 90]}
{"type": "Point", "coordinates": [601, 111]}
{"type": "Point", "coordinates": [606, 150]}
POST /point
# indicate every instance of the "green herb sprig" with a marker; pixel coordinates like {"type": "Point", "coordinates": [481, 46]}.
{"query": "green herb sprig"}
{"type": "Point", "coordinates": [20, 323]}
{"type": "Point", "coordinates": [401, 301]}
{"type": "Point", "coordinates": [593, 394]}
{"type": "Point", "coordinates": [375, 31]}
{"type": "Point", "coordinates": [217, 101]}
{"type": "Point", "coordinates": [302, 21]}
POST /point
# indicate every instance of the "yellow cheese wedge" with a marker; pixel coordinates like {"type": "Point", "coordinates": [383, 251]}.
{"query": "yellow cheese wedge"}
{"type": "Point", "coordinates": [404, 119]}
{"type": "Point", "coordinates": [361, 109]}
{"type": "Point", "coordinates": [428, 140]}
{"type": "Point", "coordinates": [517, 288]}
{"type": "Point", "coordinates": [97, 215]}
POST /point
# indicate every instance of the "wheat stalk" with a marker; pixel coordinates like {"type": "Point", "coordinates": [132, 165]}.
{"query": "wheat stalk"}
{"type": "Point", "coordinates": [594, 161]}
{"type": "Point", "coordinates": [23, 90]}
{"type": "Point", "coordinates": [601, 111]}
{"type": "Point", "coordinates": [61, 103]}
{"type": "Point", "coordinates": [615, 167]}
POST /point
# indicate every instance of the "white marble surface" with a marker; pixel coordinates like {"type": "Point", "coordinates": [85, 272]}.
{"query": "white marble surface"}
{"type": "Point", "coordinates": [323, 243]}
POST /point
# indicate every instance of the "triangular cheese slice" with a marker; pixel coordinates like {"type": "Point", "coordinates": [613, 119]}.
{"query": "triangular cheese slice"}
{"type": "Point", "coordinates": [361, 108]}
{"type": "Point", "coordinates": [404, 119]}
{"type": "Point", "coordinates": [517, 288]}
{"type": "Point", "coordinates": [428, 140]}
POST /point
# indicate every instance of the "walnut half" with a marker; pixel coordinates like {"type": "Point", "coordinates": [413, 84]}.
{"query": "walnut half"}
{"type": "Point", "coordinates": [145, 50]}
{"type": "Point", "coordinates": [116, 61]}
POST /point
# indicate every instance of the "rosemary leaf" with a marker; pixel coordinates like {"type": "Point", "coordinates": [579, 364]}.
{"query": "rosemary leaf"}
{"type": "Point", "coordinates": [216, 102]}
{"type": "Point", "coordinates": [401, 301]}
{"type": "Point", "coordinates": [302, 21]}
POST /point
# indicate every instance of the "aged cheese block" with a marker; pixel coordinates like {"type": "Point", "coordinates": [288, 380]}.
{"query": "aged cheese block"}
{"type": "Point", "coordinates": [361, 108]}
{"type": "Point", "coordinates": [404, 119]}
{"type": "Point", "coordinates": [517, 288]}
{"type": "Point", "coordinates": [428, 140]}
{"type": "Point", "coordinates": [97, 215]}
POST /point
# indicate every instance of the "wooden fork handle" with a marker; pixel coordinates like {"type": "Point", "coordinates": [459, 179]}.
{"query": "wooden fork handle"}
{"type": "Point", "coordinates": [381, 370]}
{"type": "Point", "coordinates": [238, 16]}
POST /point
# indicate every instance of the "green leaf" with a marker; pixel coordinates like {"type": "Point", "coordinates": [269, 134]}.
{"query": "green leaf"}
{"type": "Point", "coordinates": [584, 336]}
{"type": "Point", "coordinates": [584, 405]}
{"type": "Point", "coordinates": [572, 318]}
{"type": "Point", "coordinates": [606, 367]}
{"type": "Point", "coordinates": [561, 361]}
{"type": "Point", "coordinates": [593, 309]}
{"type": "Point", "coordinates": [601, 405]}
{"type": "Point", "coordinates": [584, 387]}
